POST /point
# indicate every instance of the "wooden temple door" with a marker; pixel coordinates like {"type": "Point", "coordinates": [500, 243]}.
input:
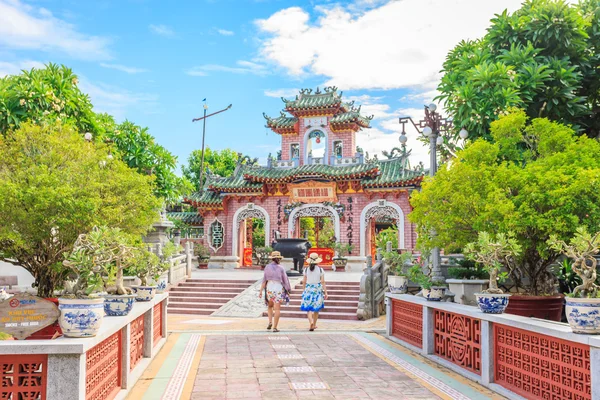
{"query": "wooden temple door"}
{"type": "Point", "coordinates": [247, 256]}
{"type": "Point", "coordinates": [373, 239]}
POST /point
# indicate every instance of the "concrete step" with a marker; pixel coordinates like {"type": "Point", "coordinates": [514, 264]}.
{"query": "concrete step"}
{"type": "Point", "coordinates": [192, 311]}
{"type": "Point", "coordinates": [179, 293]}
{"type": "Point", "coordinates": [198, 299]}
{"type": "Point", "coordinates": [213, 285]}
{"type": "Point", "coordinates": [332, 303]}
{"type": "Point", "coordinates": [208, 289]}
{"type": "Point", "coordinates": [298, 296]}
{"type": "Point", "coordinates": [187, 304]}
{"type": "Point", "coordinates": [322, 315]}
{"type": "Point", "coordinates": [335, 292]}
{"type": "Point", "coordinates": [249, 282]}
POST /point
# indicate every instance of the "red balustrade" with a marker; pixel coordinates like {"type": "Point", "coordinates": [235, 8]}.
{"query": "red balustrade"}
{"type": "Point", "coordinates": [103, 369]}
{"type": "Point", "coordinates": [157, 323]}
{"type": "Point", "coordinates": [538, 366]}
{"type": "Point", "coordinates": [23, 377]}
{"type": "Point", "coordinates": [407, 322]}
{"type": "Point", "coordinates": [457, 338]}
{"type": "Point", "coordinates": [136, 342]}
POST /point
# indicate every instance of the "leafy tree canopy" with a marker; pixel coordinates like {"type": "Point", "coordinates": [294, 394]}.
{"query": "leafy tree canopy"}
{"type": "Point", "coordinates": [218, 162]}
{"type": "Point", "coordinates": [536, 179]}
{"type": "Point", "coordinates": [56, 186]}
{"type": "Point", "coordinates": [543, 58]}
{"type": "Point", "coordinates": [51, 95]}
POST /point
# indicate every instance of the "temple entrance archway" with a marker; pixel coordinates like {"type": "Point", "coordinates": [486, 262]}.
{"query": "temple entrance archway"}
{"type": "Point", "coordinates": [321, 214]}
{"type": "Point", "coordinates": [243, 220]}
{"type": "Point", "coordinates": [374, 217]}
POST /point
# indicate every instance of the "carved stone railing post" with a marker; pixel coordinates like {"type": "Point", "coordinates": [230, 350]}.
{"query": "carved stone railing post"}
{"type": "Point", "coordinates": [364, 301]}
{"type": "Point", "coordinates": [188, 259]}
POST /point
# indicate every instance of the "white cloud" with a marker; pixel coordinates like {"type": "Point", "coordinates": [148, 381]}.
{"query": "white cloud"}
{"type": "Point", "coordinates": [243, 67]}
{"type": "Point", "coordinates": [287, 93]}
{"type": "Point", "coordinates": [401, 44]}
{"type": "Point", "coordinates": [124, 68]}
{"type": "Point", "coordinates": [375, 141]}
{"type": "Point", "coordinates": [162, 30]}
{"type": "Point", "coordinates": [117, 101]}
{"type": "Point", "coordinates": [225, 32]}
{"type": "Point", "coordinates": [370, 105]}
{"type": "Point", "coordinates": [25, 27]}
{"type": "Point", "coordinates": [14, 68]}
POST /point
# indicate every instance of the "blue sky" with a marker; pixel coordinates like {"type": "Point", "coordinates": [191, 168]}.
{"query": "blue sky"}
{"type": "Point", "coordinates": [154, 61]}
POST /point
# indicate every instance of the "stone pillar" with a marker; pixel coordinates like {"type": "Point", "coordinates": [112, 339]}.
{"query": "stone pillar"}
{"type": "Point", "coordinates": [188, 259]}
{"type": "Point", "coordinates": [66, 376]}
{"type": "Point", "coordinates": [148, 333]}
{"type": "Point", "coordinates": [595, 372]}
{"type": "Point", "coordinates": [125, 360]}
{"type": "Point", "coordinates": [428, 325]}
{"type": "Point", "coordinates": [158, 234]}
{"type": "Point", "coordinates": [164, 304]}
{"type": "Point", "coordinates": [388, 316]}
{"type": "Point", "coordinates": [487, 352]}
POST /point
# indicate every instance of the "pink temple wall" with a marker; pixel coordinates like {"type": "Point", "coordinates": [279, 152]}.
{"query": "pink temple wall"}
{"type": "Point", "coordinates": [359, 202]}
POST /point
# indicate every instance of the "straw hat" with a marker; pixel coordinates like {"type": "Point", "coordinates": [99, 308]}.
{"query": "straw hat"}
{"type": "Point", "coordinates": [275, 255]}
{"type": "Point", "coordinates": [313, 258]}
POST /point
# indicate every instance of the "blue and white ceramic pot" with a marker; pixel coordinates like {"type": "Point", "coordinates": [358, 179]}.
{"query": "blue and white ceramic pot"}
{"type": "Point", "coordinates": [161, 287]}
{"type": "Point", "coordinates": [144, 293]}
{"type": "Point", "coordinates": [583, 315]}
{"type": "Point", "coordinates": [80, 317]}
{"type": "Point", "coordinates": [436, 293]}
{"type": "Point", "coordinates": [118, 305]}
{"type": "Point", "coordinates": [492, 303]}
{"type": "Point", "coordinates": [398, 284]}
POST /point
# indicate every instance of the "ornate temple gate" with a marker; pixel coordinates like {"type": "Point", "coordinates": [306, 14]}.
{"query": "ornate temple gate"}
{"type": "Point", "coordinates": [243, 229]}
{"type": "Point", "coordinates": [373, 213]}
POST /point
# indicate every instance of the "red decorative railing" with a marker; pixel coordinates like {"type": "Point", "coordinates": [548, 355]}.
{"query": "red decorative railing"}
{"type": "Point", "coordinates": [537, 366]}
{"type": "Point", "coordinates": [103, 369]}
{"type": "Point", "coordinates": [457, 338]}
{"type": "Point", "coordinates": [408, 322]}
{"type": "Point", "coordinates": [23, 377]}
{"type": "Point", "coordinates": [136, 342]}
{"type": "Point", "coordinates": [157, 323]}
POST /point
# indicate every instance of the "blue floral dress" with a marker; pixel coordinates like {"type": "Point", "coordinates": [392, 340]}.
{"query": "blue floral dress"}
{"type": "Point", "coordinates": [312, 297]}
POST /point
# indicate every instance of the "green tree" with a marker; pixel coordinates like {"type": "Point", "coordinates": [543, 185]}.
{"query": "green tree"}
{"type": "Point", "coordinates": [56, 186]}
{"type": "Point", "coordinates": [51, 95]}
{"type": "Point", "coordinates": [535, 180]}
{"type": "Point", "coordinates": [543, 58]}
{"type": "Point", "coordinates": [218, 162]}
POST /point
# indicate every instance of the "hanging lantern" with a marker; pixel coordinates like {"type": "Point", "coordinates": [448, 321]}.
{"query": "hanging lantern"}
{"type": "Point", "coordinates": [318, 139]}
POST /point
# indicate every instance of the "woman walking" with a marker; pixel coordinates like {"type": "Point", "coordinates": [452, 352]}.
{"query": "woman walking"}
{"type": "Point", "coordinates": [315, 291]}
{"type": "Point", "coordinates": [276, 288]}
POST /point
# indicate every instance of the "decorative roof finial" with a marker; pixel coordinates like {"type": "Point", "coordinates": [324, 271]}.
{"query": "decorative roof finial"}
{"type": "Point", "coordinates": [318, 91]}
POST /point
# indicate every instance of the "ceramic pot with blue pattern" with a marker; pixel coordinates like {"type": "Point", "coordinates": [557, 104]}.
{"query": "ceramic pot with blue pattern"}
{"type": "Point", "coordinates": [583, 315]}
{"type": "Point", "coordinates": [398, 284]}
{"type": "Point", "coordinates": [144, 293]}
{"type": "Point", "coordinates": [492, 303]}
{"type": "Point", "coordinates": [436, 293]}
{"type": "Point", "coordinates": [80, 318]}
{"type": "Point", "coordinates": [161, 286]}
{"type": "Point", "coordinates": [118, 305]}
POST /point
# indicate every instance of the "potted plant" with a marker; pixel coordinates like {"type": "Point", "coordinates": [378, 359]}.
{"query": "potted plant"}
{"type": "Point", "coordinates": [398, 263]}
{"type": "Point", "coordinates": [342, 250]}
{"type": "Point", "coordinates": [203, 253]}
{"type": "Point", "coordinates": [465, 279]}
{"type": "Point", "coordinates": [583, 304]}
{"type": "Point", "coordinates": [429, 289]}
{"type": "Point", "coordinates": [493, 253]}
{"type": "Point", "coordinates": [262, 255]}
{"type": "Point", "coordinates": [146, 265]}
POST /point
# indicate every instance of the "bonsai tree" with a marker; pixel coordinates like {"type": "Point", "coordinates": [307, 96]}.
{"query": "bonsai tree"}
{"type": "Point", "coordinates": [398, 262]}
{"type": "Point", "coordinates": [202, 252]}
{"type": "Point", "coordinates": [466, 269]}
{"type": "Point", "coordinates": [146, 265]}
{"type": "Point", "coordinates": [493, 254]}
{"type": "Point", "coordinates": [98, 259]}
{"type": "Point", "coordinates": [262, 254]}
{"type": "Point", "coordinates": [343, 250]}
{"type": "Point", "coordinates": [416, 274]}
{"type": "Point", "coordinates": [170, 249]}
{"type": "Point", "coordinates": [582, 248]}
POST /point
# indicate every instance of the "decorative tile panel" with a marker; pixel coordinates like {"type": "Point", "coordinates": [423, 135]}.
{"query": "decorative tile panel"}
{"type": "Point", "coordinates": [103, 369]}
{"type": "Point", "coordinates": [537, 366]}
{"type": "Point", "coordinates": [23, 377]}
{"type": "Point", "coordinates": [407, 322]}
{"type": "Point", "coordinates": [457, 338]}
{"type": "Point", "coordinates": [136, 342]}
{"type": "Point", "coordinates": [157, 322]}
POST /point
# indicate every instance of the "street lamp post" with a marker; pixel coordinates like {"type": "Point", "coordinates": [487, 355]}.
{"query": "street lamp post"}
{"type": "Point", "coordinates": [434, 127]}
{"type": "Point", "coordinates": [201, 186]}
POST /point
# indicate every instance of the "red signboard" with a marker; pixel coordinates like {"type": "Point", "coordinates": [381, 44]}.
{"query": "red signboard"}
{"type": "Point", "coordinates": [325, 253]}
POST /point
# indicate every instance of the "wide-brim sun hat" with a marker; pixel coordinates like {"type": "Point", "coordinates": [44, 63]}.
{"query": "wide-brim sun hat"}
{"type": "Point", "coordinates": [313, 258]}
{"type": "Point", "coordinates": [275, 255]}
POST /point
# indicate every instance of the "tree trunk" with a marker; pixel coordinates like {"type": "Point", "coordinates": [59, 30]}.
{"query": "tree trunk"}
{"type": "Point", "coordinates": [45, 281]}
{"type": "Point", "coordinates": [119, 280]}
{"type": "Point", "coordinates": [493, 289]}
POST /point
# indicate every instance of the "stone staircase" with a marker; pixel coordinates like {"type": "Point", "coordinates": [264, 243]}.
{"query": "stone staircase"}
{"type": "Point", "coordinates": [342, 303]}
{"type": "Point", "coordinates": [204, 296]}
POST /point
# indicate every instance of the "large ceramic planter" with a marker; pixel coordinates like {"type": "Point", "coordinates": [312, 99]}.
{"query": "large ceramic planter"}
{"type": "Point", "coordinates": [543, 307]}
{"type": "Point", "coordinates": [465, 289]}
{"type": "Point", "coordinates": [583, 315]}
{"type": "Point", "coordinates": [492, 303]}
{"type": "Point", "coordinates": [203, 262]}
{"type": "Point", "coordinates": [436, 293]}
{"type": "Point", "coordinates": [340, 264]}
{"type": "Point", "coordinates": [144, 293]}
{"type": "Point", "coordinates": [118, 306]}
{"type": "Point", "coordinates": [80, 317]}
{"type": "Point", "coordinates": [398, 284]}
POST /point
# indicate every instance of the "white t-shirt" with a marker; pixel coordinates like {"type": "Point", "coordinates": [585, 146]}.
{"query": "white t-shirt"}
{"type": "Point", "coordinates": [313, 277]}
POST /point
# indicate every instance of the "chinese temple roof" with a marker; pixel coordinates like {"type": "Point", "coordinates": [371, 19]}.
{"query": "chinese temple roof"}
{"type": "Point", "coordinates": [308, 103]}
{"type": "Point", "coordinates": [189, 217]}
{"type": "Point", "coordinates": [281, 175]}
